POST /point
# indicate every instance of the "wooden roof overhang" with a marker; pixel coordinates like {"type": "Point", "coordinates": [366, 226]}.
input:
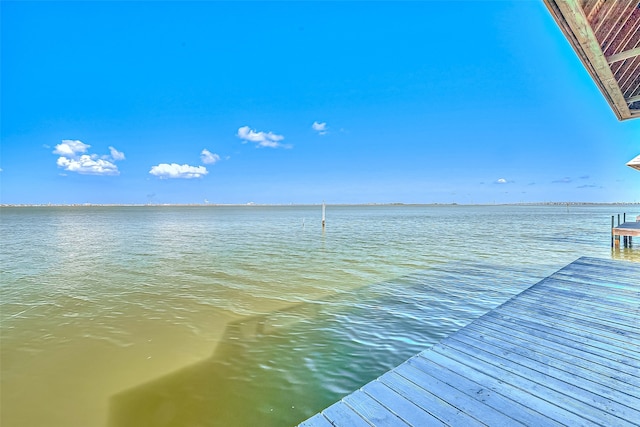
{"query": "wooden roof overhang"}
{"type": "Point", "coordinates": [605, 35]}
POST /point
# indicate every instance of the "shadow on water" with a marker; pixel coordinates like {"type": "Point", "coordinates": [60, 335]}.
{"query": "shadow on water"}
{"type": "Point", "coordinates": [280, 368]}
{"type": "Point", "coordinates": [243, 382]}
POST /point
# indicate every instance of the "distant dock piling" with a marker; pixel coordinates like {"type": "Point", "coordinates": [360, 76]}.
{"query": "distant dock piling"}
{"type": "Point", "coordinates": [626, 230]}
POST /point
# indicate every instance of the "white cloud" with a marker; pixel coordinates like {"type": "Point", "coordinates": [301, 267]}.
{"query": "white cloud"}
{"type": "Point", "coordinates": [88, 165]}
{"type": "Point", "coordinates": [115, 154]}
{"type": "Point", "coordinates": [262, 139]}
{"type": "Point", "coordinates": [208, 157]}
{"type": "Point", "coordinates": [565, 180]}
{"type": "Point", "coordinates": [174, 170]}
{"type": "Point", "coordinates": [321, 128]}
{"type": "Point", "coordinates": [71, 148]}
{"type": "Point", "coordinates": [73, 159]}
{"type": "Point", "coordinates": [501, 181]}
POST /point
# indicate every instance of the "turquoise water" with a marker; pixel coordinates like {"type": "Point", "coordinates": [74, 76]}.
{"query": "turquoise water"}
{"type": "Point", "coordinates": [242, 316]}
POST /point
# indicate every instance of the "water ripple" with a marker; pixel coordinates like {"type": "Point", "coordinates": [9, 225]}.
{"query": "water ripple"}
{"type": "Point", "coordinates": [187, 310]}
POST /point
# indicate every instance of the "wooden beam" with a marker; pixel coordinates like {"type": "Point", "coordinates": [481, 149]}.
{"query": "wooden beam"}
{"type": "Point", "coordinates": [574, 24]}
{"type": "Point", "coordinates": [623, 55]}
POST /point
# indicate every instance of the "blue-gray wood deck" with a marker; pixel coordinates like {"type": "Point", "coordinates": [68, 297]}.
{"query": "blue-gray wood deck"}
{"type": "Point", "coordinates": [564, 352]}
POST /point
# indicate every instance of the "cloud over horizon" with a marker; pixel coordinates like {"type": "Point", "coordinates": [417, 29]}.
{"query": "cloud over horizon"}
{"type": "Point", "coordinates": [261, 139]}
{"type": "Point", "coordinates": [565, 180]}
{"type": "Point", "coordinates": [73, 159]}
{"type": "Point", "coordinates": [174, 170]}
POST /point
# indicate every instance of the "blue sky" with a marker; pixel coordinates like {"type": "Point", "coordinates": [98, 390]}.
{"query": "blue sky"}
{"type": "Point", "coordinates": [299, 102]}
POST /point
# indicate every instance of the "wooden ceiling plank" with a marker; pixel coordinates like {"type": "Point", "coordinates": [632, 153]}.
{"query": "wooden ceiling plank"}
{"type": "Point", "coordinates": [591, 7]}
{"type": "Point", "coordinates": [632, 85]}
{"type": "Point", "coordinates": [631, 40]}
{"type": "Point", "coordinates": [635, 110]}
{"type": "Point", "coordinates": [630, 32]}
{"type": "Point", "coordinates": [613, 42]}
{"type": "Point", "coordinates": [615, 18]}
{"type": "Point", "coordinates": [623, 65]}
{"type": "Point", "coordinates": [601, 17]}
{"type": "Point", "coordinates": [628, 71]}
{"type": "Point", "coordinates": [636, 96]}
{"type": "Point", "coordinates": [629, 74]}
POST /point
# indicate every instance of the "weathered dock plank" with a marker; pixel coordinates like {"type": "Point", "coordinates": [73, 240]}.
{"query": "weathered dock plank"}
{"type": "Point", "coordinates": [566, 351]}
{"type": "Point", "coordinates": [522, 390]}
{"type": "Point", "coordinates": [444, 411]}
{"type": "Point", "coordinates": [539, 363]}
{"type": "Point", "coordinates": [317, 420]}
{"type": "Point", "coordinates": [405, 409]}
{"type": "Point", "coordinates": [495, 392]}
{"type": "Point", "coordinates": [428, 380]}
{"type": "Point", "coordinates": [599, 369]}
{"type": "Point", "coordinates": [540, 382]}
{"type": "Point", "coordinates": [580, 339]}
{"type": "Point", "coordinates": [586, 317]}
{"type": "Point", "coordinates": [372, 411]}
{"type": "Point", "coordinates": [341, 414]}
{"type": "Point", "coordinates": [603, 335]}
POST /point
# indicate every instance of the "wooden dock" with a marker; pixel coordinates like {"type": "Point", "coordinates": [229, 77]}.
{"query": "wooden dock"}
{"type": "Point", "coordinates": [627, 231]}
{"type": "Point", "coordinates": [564, 352]}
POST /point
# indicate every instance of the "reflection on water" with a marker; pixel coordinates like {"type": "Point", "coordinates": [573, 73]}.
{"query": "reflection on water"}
{"type": "Point", "coordinates": [628, 254]}
{"type": "Point", "coordinates": [243, 316]}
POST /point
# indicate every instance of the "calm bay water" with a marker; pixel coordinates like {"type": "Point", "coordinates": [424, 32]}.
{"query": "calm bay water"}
{"type": "Point", "coordinates": [244, 316]}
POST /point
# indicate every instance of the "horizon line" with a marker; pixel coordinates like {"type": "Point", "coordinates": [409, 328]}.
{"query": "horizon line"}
{"type": "Point", "coordinates": [251, 204]}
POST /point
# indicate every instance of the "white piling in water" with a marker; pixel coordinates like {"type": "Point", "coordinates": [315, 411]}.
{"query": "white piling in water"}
{"type": "Point", "coordinates": [323, 215]}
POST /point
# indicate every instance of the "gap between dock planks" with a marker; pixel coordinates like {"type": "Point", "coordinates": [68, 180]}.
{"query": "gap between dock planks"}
{"type": "Point", "coordinates": [566, 351]}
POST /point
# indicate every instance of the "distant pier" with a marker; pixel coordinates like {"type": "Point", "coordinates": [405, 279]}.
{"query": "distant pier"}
{"type": "Point", "coordinates": [625, 231]}
{"type": "Point", "coordinates": [566, 351]}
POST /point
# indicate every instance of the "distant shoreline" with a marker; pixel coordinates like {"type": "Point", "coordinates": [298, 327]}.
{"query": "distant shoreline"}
{"type": "Point", "coordinates": [80, 205]}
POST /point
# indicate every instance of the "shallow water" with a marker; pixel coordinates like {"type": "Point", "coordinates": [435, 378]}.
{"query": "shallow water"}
{"type": "Point", "coordinates": [185, 316]}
